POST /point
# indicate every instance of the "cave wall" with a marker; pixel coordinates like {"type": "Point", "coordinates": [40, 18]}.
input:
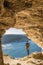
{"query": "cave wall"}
{"type": "Point", "coordinates": [25, 14]}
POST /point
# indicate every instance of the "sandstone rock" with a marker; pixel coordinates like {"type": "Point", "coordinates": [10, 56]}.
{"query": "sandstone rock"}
{"type": "Point", "coordinates": [31, 20]}
{"type": "Point", "coordinates": [6, 64]}
{"type": "Point", "coordinates": [38, 56]}
{"type": "Point", "coordinates": [18, 64]}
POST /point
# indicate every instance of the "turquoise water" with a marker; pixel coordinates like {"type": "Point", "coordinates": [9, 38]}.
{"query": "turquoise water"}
{"type": "Point", "coordinates": [18, 50]}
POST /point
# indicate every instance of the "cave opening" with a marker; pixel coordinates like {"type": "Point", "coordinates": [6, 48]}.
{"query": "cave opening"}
{"type": "Point", "coordinates": [14, 43]}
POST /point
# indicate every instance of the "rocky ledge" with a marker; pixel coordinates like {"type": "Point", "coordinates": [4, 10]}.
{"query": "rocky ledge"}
{"type": "Point", "coordinates": [33, 59]}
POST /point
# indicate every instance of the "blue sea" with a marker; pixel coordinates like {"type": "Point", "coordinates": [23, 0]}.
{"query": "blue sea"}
{"type": "Point", "coordinates": [18, 49]}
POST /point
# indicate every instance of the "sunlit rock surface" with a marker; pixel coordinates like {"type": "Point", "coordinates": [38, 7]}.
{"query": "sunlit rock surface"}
{"type": "Point", "coordinates": [23, 14]}
{"type": "Point", "coordinates": [33, 59]}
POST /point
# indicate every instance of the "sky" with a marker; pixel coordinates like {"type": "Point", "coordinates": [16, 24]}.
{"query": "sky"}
{"type": "Point", "coordinates": [14, 31]}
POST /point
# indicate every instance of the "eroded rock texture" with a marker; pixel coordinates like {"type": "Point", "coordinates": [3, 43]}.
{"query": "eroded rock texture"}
{"type": "Point", "coordinates": [26, 14]}
{"type": "Point", "coordinates": [33, 59]}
